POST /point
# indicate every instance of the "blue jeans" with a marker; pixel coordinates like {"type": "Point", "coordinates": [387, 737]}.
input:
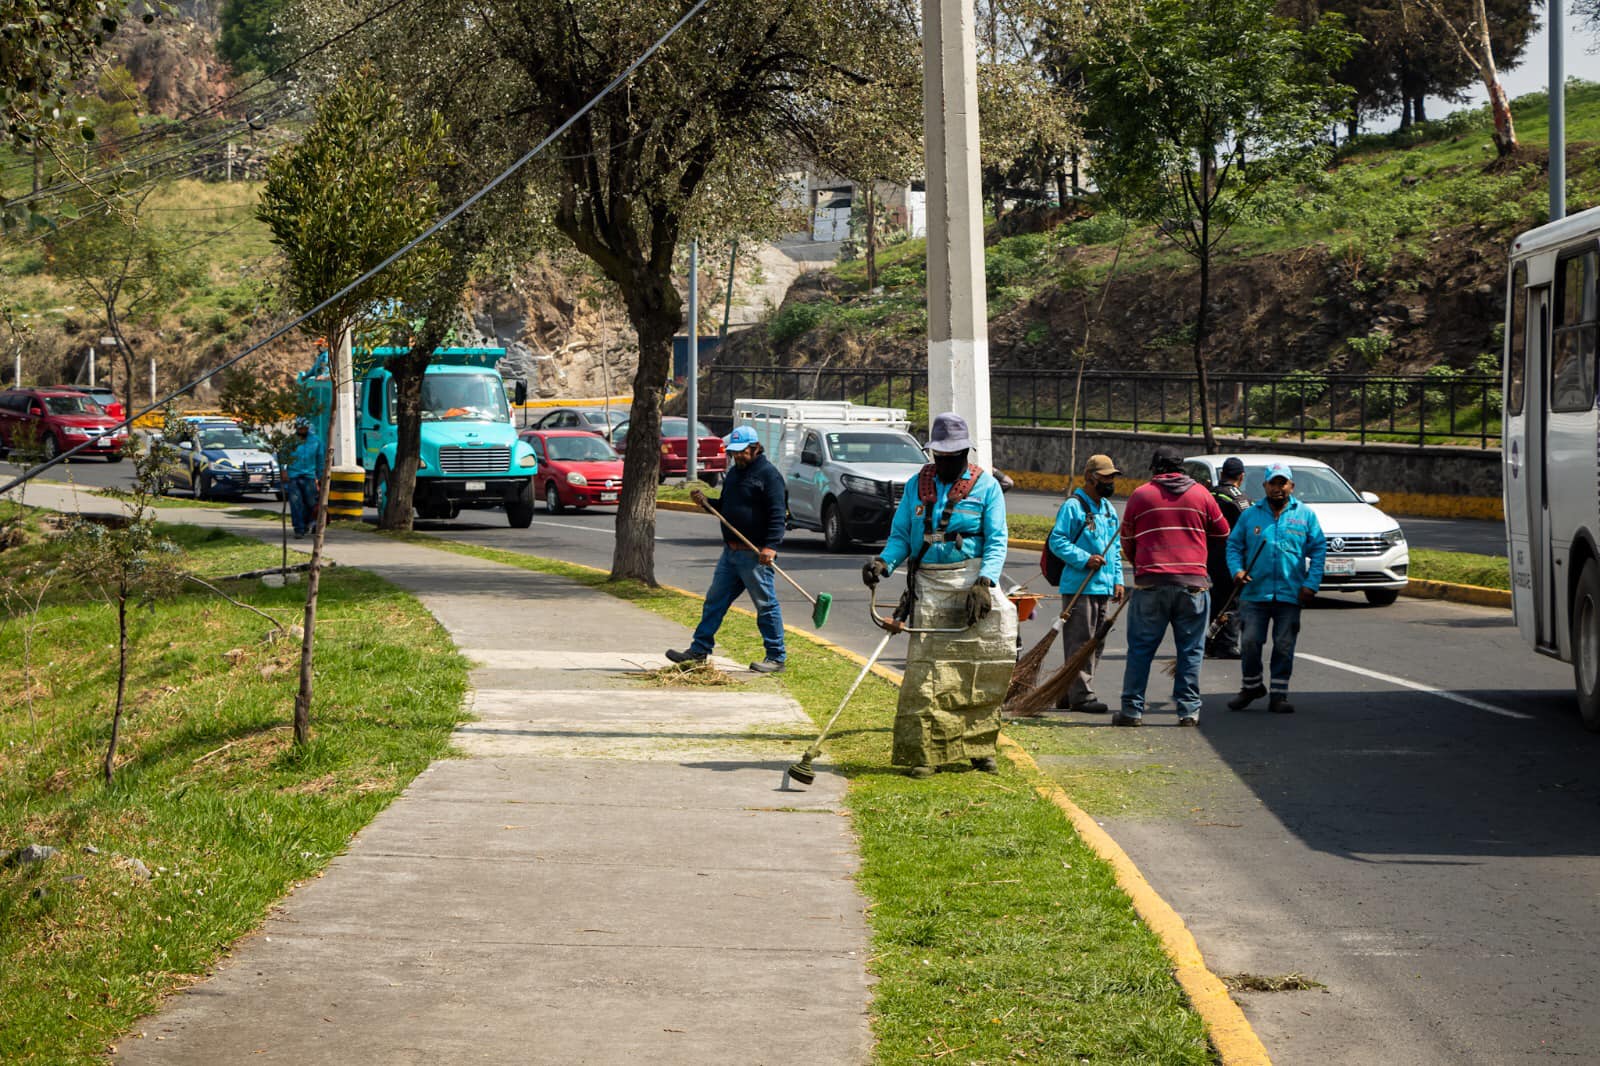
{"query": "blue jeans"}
{"type": "Point", "coordinates": [302, 492]}
{"type": "Point", "coordinates": [741, 571]}
{"type": "Point", "coordinates": [1285, 619]}
{"type": "Point", "coordinates": [1149, 615]}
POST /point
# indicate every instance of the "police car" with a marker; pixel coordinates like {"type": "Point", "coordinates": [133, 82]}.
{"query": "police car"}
{"type": "Point", "coordinates": [215, 457]}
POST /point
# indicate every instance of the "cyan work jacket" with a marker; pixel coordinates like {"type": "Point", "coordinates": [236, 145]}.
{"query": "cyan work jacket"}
{"type": "Point", "coordinates": [980, 519]}
{"type": "Point", "coordinates": [305, 458]}
{"type": "Point", "coordinates": [1075, 537]}
{"type": "Point", "coordinates": [1292, 552]}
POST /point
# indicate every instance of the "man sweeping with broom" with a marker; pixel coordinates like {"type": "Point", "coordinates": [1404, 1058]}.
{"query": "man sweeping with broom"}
{"type": "Point", "coordinates": [1085, 538]}
{"type": "Point", "coordinates": [950, 532]}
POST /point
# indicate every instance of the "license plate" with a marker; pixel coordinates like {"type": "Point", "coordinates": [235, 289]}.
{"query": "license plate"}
{"type": "Point", "coordinates": [608, 497]}
{"type": "Point", "coordinates": [258, 480]}
{"type": "Point", "coordinates": [477, 486]}
{"type": "Point", "coordinates": [1340, 567]}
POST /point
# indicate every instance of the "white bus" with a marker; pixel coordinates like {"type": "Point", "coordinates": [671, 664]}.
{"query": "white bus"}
{"type": "Point", "coordinates": [1551, 446]}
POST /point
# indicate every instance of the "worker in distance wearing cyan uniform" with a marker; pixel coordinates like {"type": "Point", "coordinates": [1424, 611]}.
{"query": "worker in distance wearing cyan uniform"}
{"type": "Point", "coordinates": [950, 532]}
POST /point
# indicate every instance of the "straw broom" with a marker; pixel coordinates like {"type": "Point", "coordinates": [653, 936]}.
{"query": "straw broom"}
{"type": "Point", "coordinates": [1048, 694]}
{"type": "Point", "coordinates": [1026, 673]}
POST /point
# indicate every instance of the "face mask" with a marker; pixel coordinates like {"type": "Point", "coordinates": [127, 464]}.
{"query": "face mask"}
{"type": "Point", "coordinates": [949, 467]}
{"type": "Point", "coordinates": [1105, 489]}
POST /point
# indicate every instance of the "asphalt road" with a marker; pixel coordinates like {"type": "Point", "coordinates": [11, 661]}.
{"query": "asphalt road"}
{"type": "Point", "coordinates": [1423, 837]}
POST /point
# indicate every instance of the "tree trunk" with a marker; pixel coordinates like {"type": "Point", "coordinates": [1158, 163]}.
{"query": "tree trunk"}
{"type": "Point", "coordinates": [319, 529]}
{"type": "Point", "coordinates": [655, 310]}
{"type": "Point", "coordinates": [1505, 132]}
{"type": "Point", "coordinates": [1419, 108]}
{"type": "Point", "coordinates": [407, 447]}
{"type": "Point", "coordinates": [872, 242]}
{"type": "Point", "coordinates": [1077, 172]}
{"type": "Point", "coordinates": [122, 680]}
{"type": "Point", "coordinates": [1201, 320]}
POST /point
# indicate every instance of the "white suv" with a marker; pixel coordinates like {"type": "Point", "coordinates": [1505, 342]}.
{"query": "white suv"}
{"type": "Point", "coordinates": [1366, 549]}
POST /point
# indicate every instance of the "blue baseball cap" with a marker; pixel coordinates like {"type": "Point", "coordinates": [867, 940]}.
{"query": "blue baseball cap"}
{"type": "Point", "coordinates": [740, 439]}
{"type": "Point", "coordinates": [1277, 470]}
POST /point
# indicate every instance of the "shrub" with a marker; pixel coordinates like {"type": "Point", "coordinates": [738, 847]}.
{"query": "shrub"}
{"type": "Point", "coordinates": [792, 320]}
{"type": "Point", "coordinates": [1275, 404]}
{"type": "Point", "coordinates": [1370, 348]}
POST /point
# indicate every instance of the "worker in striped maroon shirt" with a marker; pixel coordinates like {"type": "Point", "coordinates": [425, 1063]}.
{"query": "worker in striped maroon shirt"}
{"type": "Point", "coordinates": [1165, 530]}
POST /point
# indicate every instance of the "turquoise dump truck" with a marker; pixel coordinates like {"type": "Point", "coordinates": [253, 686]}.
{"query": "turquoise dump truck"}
{"type": "Point", "coordinates": [471, 455]}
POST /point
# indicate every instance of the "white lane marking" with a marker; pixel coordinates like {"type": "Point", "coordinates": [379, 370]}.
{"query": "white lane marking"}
{"type": "Point", "coordinates": [1415, 686]}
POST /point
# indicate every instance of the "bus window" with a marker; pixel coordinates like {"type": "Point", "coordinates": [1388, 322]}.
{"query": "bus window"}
{"type": "Point", "coordinates": [1517, 339]}
{"type": "Point", "coordinates": [1572, 366]}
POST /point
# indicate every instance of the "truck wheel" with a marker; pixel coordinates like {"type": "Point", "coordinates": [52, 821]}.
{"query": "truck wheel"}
{"type": "Point", "coordinates": [834, 535]}
{"type": "Point", "coordinates": [552, 498]}
{"type": "Point", "coordinates": [1586, 645]}
{"type": "Point", "coordinates": [1382, 597]}
{"type": "Point", "coordinates": [519, 508]}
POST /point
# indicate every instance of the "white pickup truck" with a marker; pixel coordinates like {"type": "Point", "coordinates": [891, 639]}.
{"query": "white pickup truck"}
{"type": "Point", "coordinates": [845, 465]}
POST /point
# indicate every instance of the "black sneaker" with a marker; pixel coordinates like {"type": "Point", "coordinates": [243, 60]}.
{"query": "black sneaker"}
{"type": "Point", "coordinates": [768, 666]}
{"type": "Point", "coordinates": [1127, 719]}
{"type": "Point", "coordinates": [1189, 719]}
{"type": "Point", "coordinates": [985, 764]}
{"type": "Point", "coordinates": [1280, 705]}
{"type": "Point", "coordinates": [1247, 695]}
{"type": "Point", "coordinates": [1089, 707]}
{"type": "Point", "coordinates": [685, 656]}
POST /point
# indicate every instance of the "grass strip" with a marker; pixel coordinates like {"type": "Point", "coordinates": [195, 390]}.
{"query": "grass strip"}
{"type": "Point", "coordinates": [1461, 568]}
{"type": "Point", "coordinates": [210, 795]}
{"type": "Point", "coordinates": [997, 934]}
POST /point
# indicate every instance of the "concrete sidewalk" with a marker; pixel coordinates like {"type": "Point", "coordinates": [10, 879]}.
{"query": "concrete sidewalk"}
{"type": "Point", "coordinates": [612, 875]}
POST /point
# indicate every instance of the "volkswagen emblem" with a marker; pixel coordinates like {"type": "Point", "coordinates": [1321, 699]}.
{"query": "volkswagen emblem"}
{"type": "Point", "coordinates": [1336, 544]}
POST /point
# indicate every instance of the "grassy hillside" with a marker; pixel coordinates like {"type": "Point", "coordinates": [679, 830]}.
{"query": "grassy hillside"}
{"type": "Point", "coordinates": [1392, 262]}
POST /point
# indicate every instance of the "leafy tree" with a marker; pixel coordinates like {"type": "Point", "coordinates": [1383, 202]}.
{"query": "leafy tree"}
{"type": "Point", "coordinates": [253, 36]}
{"type": "Point", "coordinates": [117, 261]}
{"type": "Point", "coordinates": [358, 186]}
{"type": "Point", "coordinates": [1195, 106]}
{"type": "Point", "coordinates": [45, 47]}
{"type": "Point", "coordinates": [695, 142]}
{"type": "Point", "coordinates": [1472, 36]}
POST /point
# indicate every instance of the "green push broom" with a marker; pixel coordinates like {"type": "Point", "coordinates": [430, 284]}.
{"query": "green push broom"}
{"type": "Point", "coordinates": [821, 603]}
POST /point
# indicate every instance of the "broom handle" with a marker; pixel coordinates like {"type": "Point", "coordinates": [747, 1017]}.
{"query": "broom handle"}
{"type": "Point", "coordinates": [1238, 587]}
{"type": "Point", "coordinates": [1067, 610]}
{"type": "Point", "coordinates": [816, 746]}
{"type": "Point", "coordinates": [811, 599]}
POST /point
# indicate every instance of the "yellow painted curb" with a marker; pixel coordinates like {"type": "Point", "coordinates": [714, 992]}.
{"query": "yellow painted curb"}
{"type": "Point", "coordinates": [1025, 545]}
{"type": "Point", "coordinates": [1448, 590]}
{"type": "Point", "coordinates": [1230, 1031]}
{"type": "Point", "coordinates": [674, 505]}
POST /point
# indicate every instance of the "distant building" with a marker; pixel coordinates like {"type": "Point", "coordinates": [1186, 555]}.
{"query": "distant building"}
{"type": "Point", "coordinates": [829, 200]}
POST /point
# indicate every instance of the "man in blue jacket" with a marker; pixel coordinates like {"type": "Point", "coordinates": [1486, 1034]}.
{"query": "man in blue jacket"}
{"type": "Point", "coordinates": [306, 455]}
{"type": "Point", "coordinates": [1085, 538]}
{"type": "Point", "coordinates": [1276, 551]}
{"type": "Point", "coordinates": [753, 501]}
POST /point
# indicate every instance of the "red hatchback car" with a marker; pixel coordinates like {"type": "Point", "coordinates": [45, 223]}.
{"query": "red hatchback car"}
{"type": "Point", "coordinates": [576, 469]}
{"type": "Point", "coordinates": [712, 455]}
{"type": "Point", "coordinates": [59, 419]}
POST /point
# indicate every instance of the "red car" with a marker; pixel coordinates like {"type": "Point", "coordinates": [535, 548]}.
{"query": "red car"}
{"type": "Point", "coordinates": [100, 394]}
{"type": "Point", "coordinates": [713, 458]}
{"type": "Point", "coordinates": [576, 468]}
{"type": "Point", "coordinates": [59, 419]}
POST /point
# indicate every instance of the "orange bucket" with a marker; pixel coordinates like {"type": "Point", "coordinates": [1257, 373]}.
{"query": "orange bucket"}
{"type": "Point", "coordinates": [1025, 603]}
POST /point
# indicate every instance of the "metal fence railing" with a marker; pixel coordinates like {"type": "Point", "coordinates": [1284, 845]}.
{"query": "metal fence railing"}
{"type": "Point", "coordinates": [1442, 407]}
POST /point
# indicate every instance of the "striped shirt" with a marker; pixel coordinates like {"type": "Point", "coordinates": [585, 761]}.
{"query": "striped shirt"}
{"type": "Point", "coordinates": [1164, 531]}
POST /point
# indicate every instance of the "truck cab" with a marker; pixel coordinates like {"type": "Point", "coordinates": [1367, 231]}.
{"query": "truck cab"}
{"type": "Point", "coordinates": [471, 456]}
{"type": "Point", "coordinates": [845, 465]}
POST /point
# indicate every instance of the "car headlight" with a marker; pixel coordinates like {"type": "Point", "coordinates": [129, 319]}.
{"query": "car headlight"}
{"type": "Point", "coordinates": [576, 478]}
{"type": "Point", "coordinates": [864, 485]}
{"type": "Point", "coordinates": [1394, 538]}
{"type": "Point", "coordinates": [528, 460]}
{"type": "Point", "coordinates": [74, 431]}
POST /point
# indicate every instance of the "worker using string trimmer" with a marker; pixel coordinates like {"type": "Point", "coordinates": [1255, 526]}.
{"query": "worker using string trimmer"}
{"type": "Point", "coordinates": [1085, 540]}
{"type": "Point", "coordinates": [753, 503]}
{"type": "Point", "coordinates": [1284, 541]}
{"type": "Point", "coordinates": [950, 532]}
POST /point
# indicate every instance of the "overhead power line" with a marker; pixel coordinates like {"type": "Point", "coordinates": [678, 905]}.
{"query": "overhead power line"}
{"type": "Point", "coordinates": [394, 257]}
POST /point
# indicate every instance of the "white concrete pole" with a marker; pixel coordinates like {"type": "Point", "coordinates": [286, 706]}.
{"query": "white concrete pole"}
{"type": "Point", "coordinates": [694, 361]}
{"type": "Point", "coordinates": [91, 366]}
{"type": "Point", "coordinates": [152, 379]}
{"type": "Point", "coordinates": [958, 328]}
{"type": "Point", "coordinates": [344, 430]}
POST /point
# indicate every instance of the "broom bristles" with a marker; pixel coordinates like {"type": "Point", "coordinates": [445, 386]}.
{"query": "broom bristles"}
{"type": "Point", "coordinates": [1026, 673]}
{"type": "Point", "coordinates": [1049, 693]}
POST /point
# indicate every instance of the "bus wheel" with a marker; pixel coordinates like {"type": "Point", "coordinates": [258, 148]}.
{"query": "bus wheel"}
{"type": "Point", "coordinates": [1586, 645]}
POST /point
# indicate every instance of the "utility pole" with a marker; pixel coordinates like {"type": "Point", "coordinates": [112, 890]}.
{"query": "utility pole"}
{"type": "Point", "coordinates": [958, 328]}
{"type": "Point", "coordinates": [230, 161]}
{"type": "Point", "coordinates": [692, 446]}
{"type": "Point", "coordinates": [152, 380]}
{"type": "Point", "coordinates": [344, 429]}
{"type": "Point", "coordinates": [1555, 17]}
{"type": "Point", "coordinates": [91, 366]}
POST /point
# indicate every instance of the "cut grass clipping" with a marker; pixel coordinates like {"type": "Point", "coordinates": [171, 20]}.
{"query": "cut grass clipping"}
{"type": "Point", "coordinates": [998, 936]}
{"type": "Point", "coordinates": [209, 796]}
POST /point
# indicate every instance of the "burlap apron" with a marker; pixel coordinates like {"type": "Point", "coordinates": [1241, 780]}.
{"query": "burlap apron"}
{"type": "Point", "coordinates": [954, 683]}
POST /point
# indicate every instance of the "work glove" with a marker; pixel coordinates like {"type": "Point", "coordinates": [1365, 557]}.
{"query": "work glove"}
{"type": "Point", "coordinates": [980, 601]}
{"type": "Point", "coordinates": [873, 571]}
{"type": "Point", "coordinates": [1306, 596]}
